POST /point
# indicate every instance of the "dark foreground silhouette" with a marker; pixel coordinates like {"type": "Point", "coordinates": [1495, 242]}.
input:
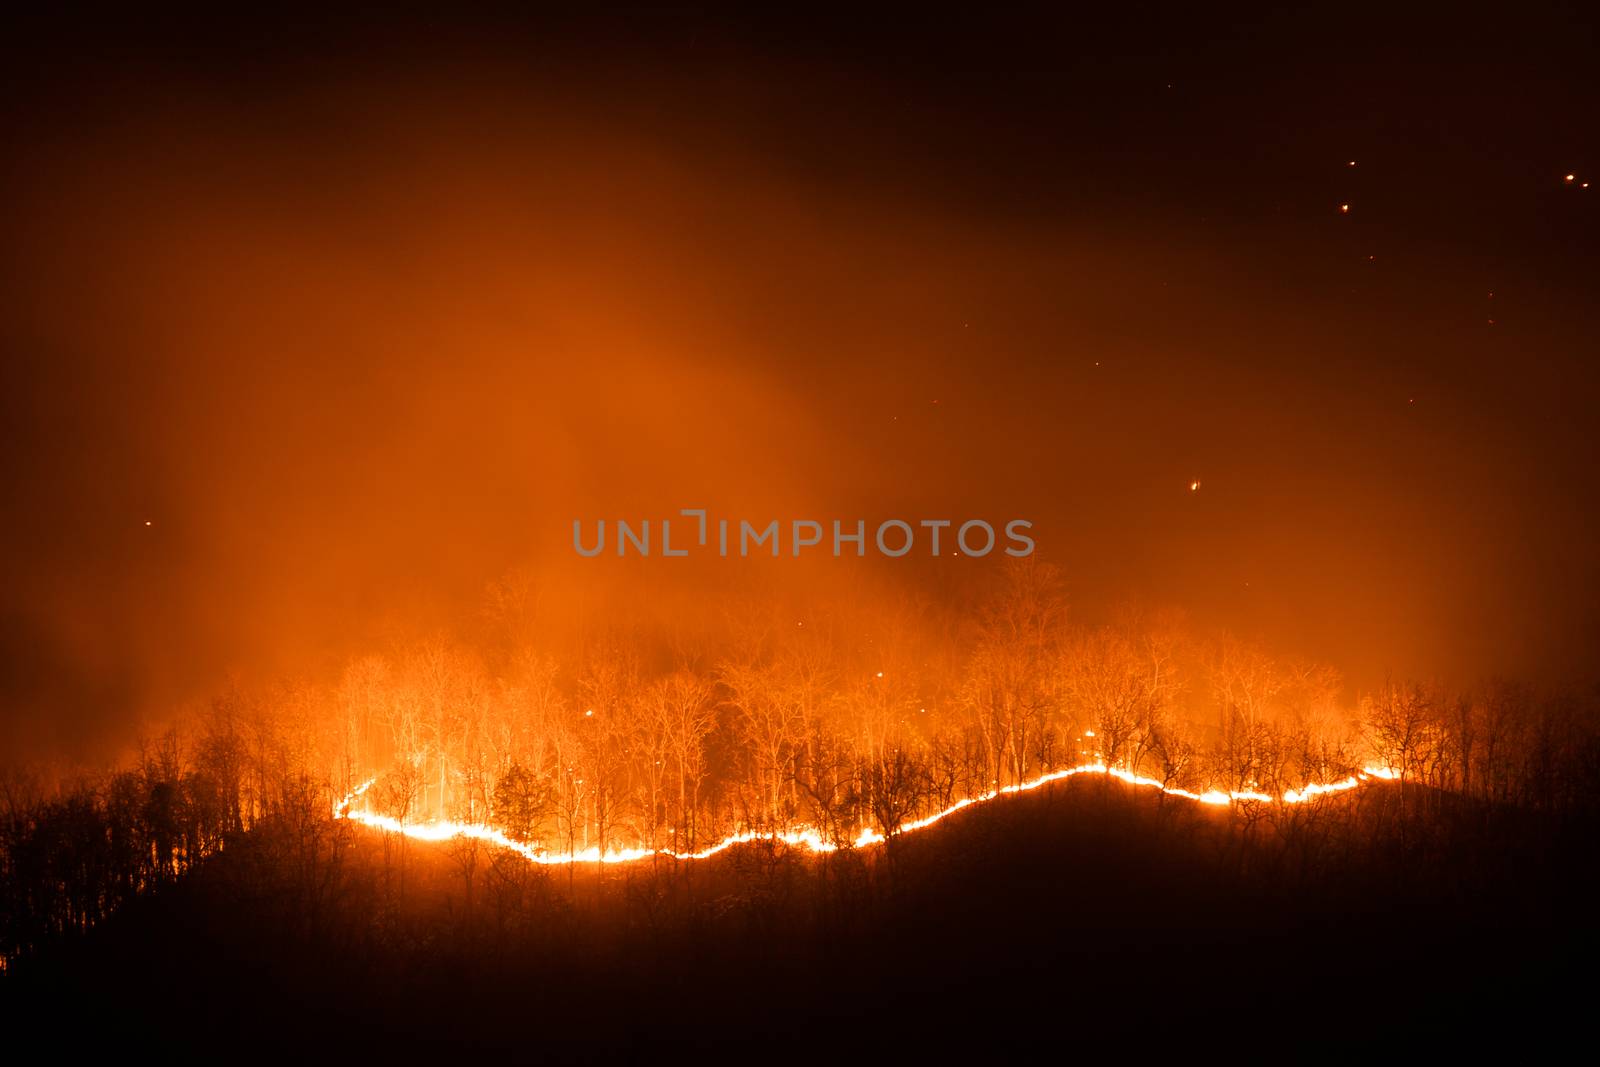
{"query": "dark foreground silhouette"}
{"type": "Point", "coordinates": [1082, 917]}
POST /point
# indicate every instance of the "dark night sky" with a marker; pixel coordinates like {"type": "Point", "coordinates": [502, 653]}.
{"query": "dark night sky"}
{"type": "Point", "coordinates": [357, 315]}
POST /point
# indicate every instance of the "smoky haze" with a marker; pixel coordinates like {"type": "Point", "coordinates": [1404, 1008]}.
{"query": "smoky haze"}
{"type": "Point", "coordinates": [299, 355]}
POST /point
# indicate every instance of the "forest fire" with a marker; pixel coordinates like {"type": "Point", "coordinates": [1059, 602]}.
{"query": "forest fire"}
{"type": "Point", "coordinates": [512, 533]}
{"type": "Point", "coordinates": [810, 839]}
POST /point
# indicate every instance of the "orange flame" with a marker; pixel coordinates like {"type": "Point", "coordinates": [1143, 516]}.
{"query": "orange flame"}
{"type": "Point", "coordinates": [812, 839]}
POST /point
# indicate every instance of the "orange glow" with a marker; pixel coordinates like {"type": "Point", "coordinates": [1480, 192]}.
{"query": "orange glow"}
{"type": "Point", "coordinates": [813, 840]}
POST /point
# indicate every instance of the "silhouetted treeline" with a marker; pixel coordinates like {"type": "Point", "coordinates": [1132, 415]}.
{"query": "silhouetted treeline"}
{"type": "Point", "coordinates": [1085, 915]}
{"type": "Point", "coordinates": [70, 859]}
{"type": "Point", "coordinates": [766, 717]}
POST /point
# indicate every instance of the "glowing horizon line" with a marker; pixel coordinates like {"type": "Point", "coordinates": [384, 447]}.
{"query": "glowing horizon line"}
{"type": "Point", "coordinates": [810, 838]}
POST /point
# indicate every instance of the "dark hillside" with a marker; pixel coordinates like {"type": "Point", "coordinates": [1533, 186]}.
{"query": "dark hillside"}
{"type": "Point", "coordinates": [1082, 915]}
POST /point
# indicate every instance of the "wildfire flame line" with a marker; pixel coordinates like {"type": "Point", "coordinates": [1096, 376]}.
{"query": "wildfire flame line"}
{"type": "Point", "coordinates": [810, 838]}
